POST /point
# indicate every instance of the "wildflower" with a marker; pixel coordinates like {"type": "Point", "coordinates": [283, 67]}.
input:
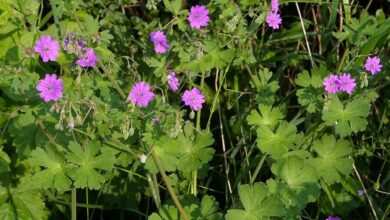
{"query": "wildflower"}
{"type": "Point", "coordinates": [50, 88]}
{"type": "Point", "coordinates": [143, 158]}
{"type": "Point", "coordinates": [155, 120]}
{"type": "Point", "coordinates": [331, 84]}
{"type": "Point", "coordinates": [47, 48]}
{"type": "Point", "coordinates": [373, 65]}
{"type": "Point", "coordinates": [346, 83]}
{"type": "Point", "coordinates": [89, 59]}
{"type": "Point", "coordinates": [173, 81]}
{"type": "Point", "coordinates": [140, 94]}
{"type": "Point", "coordinates": [160, 41]}
{"type": "Point", "coordinates": [274, 20]}
{"type": "Point", "coordinates": [193, 98]}
{"type": "Point", "coordinates": [199, 16]}
{"type": "Point", "coordinates": [333, 218]}
{"type": "Point", "coordinates": [274, 5]}
{"type": "Point", "coordinates": [68, 39]}
{"type": "Point", "coordinates": [360, 192]}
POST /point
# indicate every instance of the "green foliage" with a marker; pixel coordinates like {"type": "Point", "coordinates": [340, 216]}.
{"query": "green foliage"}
{"type": "Point", "coordinates": [22, 201]}
{"type": "Point", "coordinates": [310, 95]}
{"type": "Point", "coordinates": [54, 174]}
{"type": "Point", "coordinates": [332, 161]}
{"type": "Point", "coordinates": [268, 116]}
{"type": "Point", "coordinates": [206, 209]}
{"type": "Point", "coordinates": [349, 118]}
{"type": "Point", "coordinates": [4, 161]}
{"type": "Point", "coordinates": [276, 141]}
{"type": "Point", "coordinates": [87, 161]}
{"type": "Point", "coordinates": [265, 87]}
{"type": "Point", "coordinates": [258, 203]}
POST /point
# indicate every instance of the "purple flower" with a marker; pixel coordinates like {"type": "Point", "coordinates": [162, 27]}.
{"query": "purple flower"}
{"type": "Point", "coordinates": [140, 94]}
{"type": "Point", "coordinates": [50, 88]}
{"type": "Point", "coordinates": [346, 83]}
{"type": "Point", "coordinates": [193, 98]}
{"type": "Point", "coordinates": [155, 120]}
{"type": "Point", "coordinates": [274, 5]}
{"type": "Point", "coordinates": [47, 48]}
{"type": "Point", "coordinates": [360, 192]}
{"type": "Point", "coordinates": [373, 65]}
{"type": "Point", "coordinates": [331, 84]}
{"type": "Point", "coordinates": [160, 41]}
{"type": "Point", "coordinates": [274, 20]}
{"type": "Point", "coordinates": [199, 16]}
{"type": "Point", "coordinates": [89, 59]}
{"type": "Point", "coordinates": [333, 218]}
{"type": "Point", "coordinates": [173, 81]}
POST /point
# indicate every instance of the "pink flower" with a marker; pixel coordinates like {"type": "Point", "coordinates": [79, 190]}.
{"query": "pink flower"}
{"type": "Point", "coordinates": [373, 65]}
{"type": "Point", "coordinates": [173, 81]}
{"type": "Point", "coordinates": [199, 16]}
{"type": "Point", "coordinates": [274, 20]}
{"type": "Point", "coordinates": [346, 83]}
{"type": "Point", "coordinates": [333, 218]}
{"type": "Point", "coordinates": [140, 94]}
{"type": "Point", "coordinates": [160, 41]}
{"type": "Point", "coordinates": [89, 59]}
{"type": "Point", "coordinates": [274, 5]}
{"type": "Point", "coordinates": [193, 98]}
{"type": "Point", "coordinates": [331, 84]}
{"type": "Point", "coordinates": [50, 88]}
{"type": "Point", "coordinates": [47, 48]}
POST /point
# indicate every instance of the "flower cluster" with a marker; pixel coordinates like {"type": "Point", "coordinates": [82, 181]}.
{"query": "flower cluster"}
{"type": "Point", "coordinates": [160, 41]}
{"type": "Point", "coordinates": [334, 84]}
{"type": "Point", "coordinates": [273, 18]}
{"type": "Point", "coordinates": [173, 81]}
{"type": "Point", "coordinates": [333, 218]}
{"type": "Point", "coordinates": [141, 95]}
{"type": "Point", "coordinates": [373, 65]}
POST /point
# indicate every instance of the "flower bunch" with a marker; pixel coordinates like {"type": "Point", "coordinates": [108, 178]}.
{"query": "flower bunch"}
{"type": "Point", "coordinates": [273, 18]}
{"type": "Point", "coordinates": [334, 84]}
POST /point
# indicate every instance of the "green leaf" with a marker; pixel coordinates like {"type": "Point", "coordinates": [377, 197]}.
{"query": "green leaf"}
{"type": "Point", "coordinates": [87, 162]}
{"type": "Point", "coordinates": [4, 161]}
{"type": "Point", "coordinates": [53, 176]}
{"type": "Point", "coordinates": [195, 152]}
{"type": "Point", "coordinates": [91, 25]}
{"type": "Point", "coordinates": [258, 204]}
{"type": "Point", "coordinates": [348, 119]}
{"type": "Point", "coordinates": [311, 95]}
{"type": "Point", "coordinates": [207, 209]}
{"type": "Point", "coordinates": [265, 87]}
{"type": "Point", "coordinates": [332, 160]}
{"type": "Point", "coordinates": [276, 141]}
{"type": "Point", "coordinates": [25, 202]}
{"type": "Point", "coordinates": [167, 150]}
{"type": "Point", "coordinates": [294, 171]}
{"type": "Point", "coordinates": [268, 116]}
{"type": "Point", "coordinates": [173, 6]}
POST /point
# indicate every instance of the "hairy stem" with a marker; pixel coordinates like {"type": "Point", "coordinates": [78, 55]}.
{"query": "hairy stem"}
{"type": "Point", "coordinates": [73, 205]}
{"type": "Point", "coordinates": [169, 187]}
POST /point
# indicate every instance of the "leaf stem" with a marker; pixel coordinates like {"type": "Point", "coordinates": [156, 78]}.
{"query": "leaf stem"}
{"type": "Point", "coordinates": [258, 168]}
{"type": "Point", "coordinates": [73, 205]}
{"type": "Point", "coordinates": [169, 187]}
{"type": "Point", "coordinates": [86, 196]}
{"type": "Point", "coordinates": [114, 83]}
{"type": "Point", "coordinates": [152, 180]}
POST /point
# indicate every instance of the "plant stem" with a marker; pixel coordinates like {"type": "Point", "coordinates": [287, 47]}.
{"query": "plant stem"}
{"type": "Point", "coordinates": [154, 188]}
{"type": "Point", "coordinates": [114, 83]}
{"type": "Point", "coordinates": [73, 205]}
{"type": "Point", "coordinates": [86, 196]}
{"type": "Point", "coordinates": [258, 168]}
{"type": "Point", "coordinates": [169, 187]}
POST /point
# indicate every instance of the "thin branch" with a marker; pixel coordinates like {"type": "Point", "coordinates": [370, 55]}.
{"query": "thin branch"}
{"type": "Point", "coordinates": [304, 33]}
